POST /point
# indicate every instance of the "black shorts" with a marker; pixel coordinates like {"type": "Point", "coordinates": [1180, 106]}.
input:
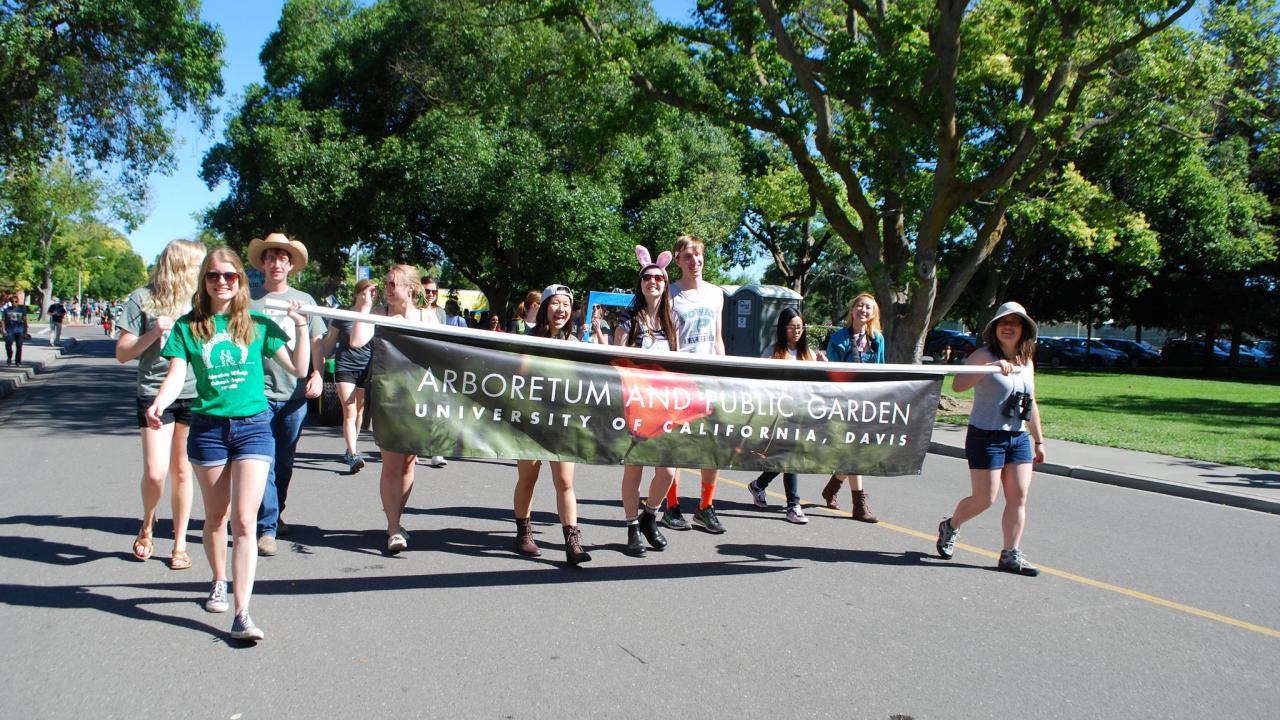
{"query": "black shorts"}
{"type": "Point", "coordinates": [359, 379]}
{"type": "Point", "coordinates": [179, 412]}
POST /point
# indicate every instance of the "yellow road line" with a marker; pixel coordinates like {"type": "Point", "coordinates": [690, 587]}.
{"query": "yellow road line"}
{"type": "Point", "coordinates": [1135, 594]}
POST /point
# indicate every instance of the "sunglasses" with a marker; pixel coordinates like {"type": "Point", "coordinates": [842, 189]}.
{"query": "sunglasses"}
{"type": "Point", "coordinates": [430, 291]}
{"type": "Point", "coordinates": [655, 277]}
{"type": "Point", "coordinates": [230, 278]}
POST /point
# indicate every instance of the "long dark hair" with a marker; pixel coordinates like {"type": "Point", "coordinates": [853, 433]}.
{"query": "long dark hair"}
{"type": "Point", "coordinates": [543, 328]}
{"type": "Point", "coordinates": [639, 306]}
{"type": "Point", "coordinates": [780, 343]}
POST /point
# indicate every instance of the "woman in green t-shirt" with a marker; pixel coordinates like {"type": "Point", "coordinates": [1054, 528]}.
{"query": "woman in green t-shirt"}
{"type": "Point", "coordinates": [230, 443]}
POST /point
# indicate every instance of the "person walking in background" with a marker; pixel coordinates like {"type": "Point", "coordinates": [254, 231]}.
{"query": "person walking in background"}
{"type": "Point", "coordinates": [432, 314]}
{"type": "Point", "coordinates": [15, 330]}
{"type": "Point", "coordinates": [453, 314]}
{"type": "Point", "coordinates": [402, 287]}
{"type": "Point", "coordinates": [351, 374]}
{"type": "Point", "coordinates": [791, 342]}
{"type": "Point", "coordinates": [57, 316]}
{"type": "Point", "coordinates": [554, 312]}
{"type": "Point", "coordinates": [648, 325]}
{"type": "Point", "coordinates": [149, 315]}
{"type": "Point", "coordinates": [230, 444]}
{"type": "Point", "coordinates": [1005, 435]}
{"type": "Point", "coordinates": [277, 257]}
{"type": "Point", "coordinates": [859, 341]}
{"type": "Point", "coordinates": [495, 323]}
{"type": "Point", "coordinates": [697, 305]}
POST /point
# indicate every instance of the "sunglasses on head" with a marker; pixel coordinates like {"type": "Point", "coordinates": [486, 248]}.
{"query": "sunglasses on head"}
{"type": "Point", "coordinates": [229, 278]}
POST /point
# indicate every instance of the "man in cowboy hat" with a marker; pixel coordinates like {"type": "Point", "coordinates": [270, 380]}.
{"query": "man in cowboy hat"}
{"type": "Point", "coordinates": [277, 256]}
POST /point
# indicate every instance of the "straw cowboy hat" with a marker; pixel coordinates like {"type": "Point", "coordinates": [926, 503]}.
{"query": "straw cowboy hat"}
{"type": "Point", "coordinates": [297, 251]}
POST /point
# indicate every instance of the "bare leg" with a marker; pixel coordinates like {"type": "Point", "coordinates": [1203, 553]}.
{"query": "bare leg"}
{"type": "Point", "coordinates": [1016, 480]}
{"type": "Point", "coordinates": [986, 485]}
{"type": "Point", "coordinates": [183, 485]}
{"type": "Point", "coordinates": [631, 476]}
{"type": "Point", "coordinates": [526, 480]}
{"type": "Point", "coordinates": [663, 478]}
{"type": "Point", "coordinates": [394, 485]}
{"type": "Point", "coordinates": [566, 499]}
{"type": "Point", "coordinates": [350, 414]}
{"type": "Point", "coordinates": [215, 490]}
{"type": "Point", "coordinates": [156, 459]}
{"type": "Point", "coordinates": [248, 480]}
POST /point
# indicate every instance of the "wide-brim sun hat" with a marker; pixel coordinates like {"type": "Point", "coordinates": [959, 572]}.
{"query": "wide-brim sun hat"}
{"type": "Point", "coordinates": [1012, 308]}
{"type": "Point", "coordinates": [297, 251]}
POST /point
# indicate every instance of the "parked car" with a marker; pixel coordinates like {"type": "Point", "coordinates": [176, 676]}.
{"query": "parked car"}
{"type": "Point", "coordinates": [1191, 352]}
{"type": "Point", "coordinates": [1270, 349]}
{"type": "Point", "coordinates": [1053, 352]}
{"type": "Point", "coordinates": [1140, 353]}
{"type": "Point", "coordinates": [949, 346]}
{"type": "Point", "coordinates": [1247, 357]}
{"type": "Point", "coordinates": [1098, 354]}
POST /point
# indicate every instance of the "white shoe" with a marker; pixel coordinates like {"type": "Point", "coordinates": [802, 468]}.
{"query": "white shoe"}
{"type": "Point", "coordinates": [438, 461]}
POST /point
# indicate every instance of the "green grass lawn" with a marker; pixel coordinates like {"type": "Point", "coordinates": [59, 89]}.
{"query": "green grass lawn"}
{"type": "Point", "coordinates": [1230, 421]}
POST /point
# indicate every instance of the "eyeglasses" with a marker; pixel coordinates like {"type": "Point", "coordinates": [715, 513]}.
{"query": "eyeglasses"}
{"type": "Point", "coordinates": [653, 277]}
{"type": "Point", "coordinates": [230, 278]}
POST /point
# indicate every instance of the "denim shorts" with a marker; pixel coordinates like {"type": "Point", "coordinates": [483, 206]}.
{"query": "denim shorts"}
{"type": "Point", "coordinates": [179, 411]}
{"type": "Point", "coordinates": [993, 449]}
{"type": "Point", "coordinates": [215, 441]}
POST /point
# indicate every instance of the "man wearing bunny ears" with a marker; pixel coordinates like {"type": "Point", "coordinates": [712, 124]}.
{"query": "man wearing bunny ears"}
{"type": "Point", "coordinates": [697, 305]}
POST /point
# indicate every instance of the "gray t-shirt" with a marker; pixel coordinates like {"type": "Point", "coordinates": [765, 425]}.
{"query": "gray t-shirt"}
{"type": "Point", "coordinates": [280, 384]}
{"type": "Point", "coordinates": [151, 367]}
{"type": "Point", "coordinates": [990, 396]}
{"type": "Point", "coordinates": [697, 317]}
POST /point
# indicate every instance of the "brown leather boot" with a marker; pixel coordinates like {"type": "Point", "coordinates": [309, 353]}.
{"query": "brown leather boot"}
{"type": "Point", "coordinates": [832, 491]}
{"type": "Point", "coordinates": [524, 539]}
{"type": "Point", "coordinates": [861, 509]}
{"type": "Point", "coordinates": [573, 551]}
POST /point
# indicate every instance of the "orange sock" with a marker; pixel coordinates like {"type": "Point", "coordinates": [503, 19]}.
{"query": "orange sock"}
{"type": "Point", "coordinates": [673, 494]}
{"type": "Point", "coordinates": [708, 495]}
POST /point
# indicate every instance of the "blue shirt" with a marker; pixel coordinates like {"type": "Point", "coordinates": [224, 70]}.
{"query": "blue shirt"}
{"type": "Point", "coordinates": [843, 348]}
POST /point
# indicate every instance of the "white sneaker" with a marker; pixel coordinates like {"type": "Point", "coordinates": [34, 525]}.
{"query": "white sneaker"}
{"type": "Point", "coordinates": [438, 461]}
{"type": "Point", "coordinates": [796, 515]}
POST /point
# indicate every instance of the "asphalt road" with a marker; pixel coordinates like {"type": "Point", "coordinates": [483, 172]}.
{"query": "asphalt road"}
{"type": "Point", "coordinates": [1150, 606]}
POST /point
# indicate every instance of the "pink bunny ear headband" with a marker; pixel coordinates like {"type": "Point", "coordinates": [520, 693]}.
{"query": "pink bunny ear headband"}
{"type": "Point", "coordinates": [642, 254]}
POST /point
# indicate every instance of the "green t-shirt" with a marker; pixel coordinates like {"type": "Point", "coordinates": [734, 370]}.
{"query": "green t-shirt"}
{"type": "Point", "coordinates": [151, 366]}
{"type": "Point", "coordinates": [229, 379]}
{"type": "Point", "coordinates": [282, 385]}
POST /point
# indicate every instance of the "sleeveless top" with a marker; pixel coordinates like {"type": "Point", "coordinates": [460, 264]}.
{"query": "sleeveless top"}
{"type": "Point", "coordinates": [990, 396]}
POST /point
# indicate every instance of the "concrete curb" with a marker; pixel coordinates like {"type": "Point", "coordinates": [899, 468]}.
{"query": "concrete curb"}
{"type": "Point", "coordinates": [1140, 482]}
{"type": "Point", "coordinates": [12, 378]}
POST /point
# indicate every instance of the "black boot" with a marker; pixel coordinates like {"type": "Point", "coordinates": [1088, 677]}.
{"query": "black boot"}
{"type": "Point", "coordinates": [573, 551]}
{"type": "Point", "coordinates": [649, 526]}
{"type": "Point", "coordinates": [635, 548]}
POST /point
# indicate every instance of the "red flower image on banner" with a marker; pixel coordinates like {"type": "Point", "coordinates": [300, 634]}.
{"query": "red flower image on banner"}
{"type": "Point", "coordinates": [654, 397]}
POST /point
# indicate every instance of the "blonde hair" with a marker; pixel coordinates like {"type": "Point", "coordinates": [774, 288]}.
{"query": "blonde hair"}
{"type": "Point", "coordinates": [410, 276]}
{"type": "Point", "coordinates": [685, 241]}
{"type": "Point", "coordinates": [873, 326]}
{"type": "Point", "coordinates": [239, 325]}
{"type": "Point", "coordinates": [172, 287]}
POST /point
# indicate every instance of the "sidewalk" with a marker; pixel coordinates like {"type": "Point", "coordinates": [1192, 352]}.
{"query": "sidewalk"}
{"type": "Point", "coordinates": [1243, 487]}
{"type": "Point", "coordinates": [36, 357]}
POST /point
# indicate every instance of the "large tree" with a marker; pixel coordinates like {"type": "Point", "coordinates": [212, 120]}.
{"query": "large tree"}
{"type": "Point", "coordinates": [916, 124]}
{"type": "Point", "coordinates": [100, 80]}
{"type": "Point", "coordinates": [426, 131]}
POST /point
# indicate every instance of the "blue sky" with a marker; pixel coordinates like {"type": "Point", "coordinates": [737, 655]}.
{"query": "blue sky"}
{"type": "Point", "coordinates": [176, 199]}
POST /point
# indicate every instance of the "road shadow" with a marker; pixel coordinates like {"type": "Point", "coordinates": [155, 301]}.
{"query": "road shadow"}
{"type": "Point", "coordinates": [1260, 479]}
{"type": "Point", "coordinates": [784, 553]}
{"type": "Point", "coordinates": [81, 399]}
{"type": "Point", "coordinates": [80, 597]}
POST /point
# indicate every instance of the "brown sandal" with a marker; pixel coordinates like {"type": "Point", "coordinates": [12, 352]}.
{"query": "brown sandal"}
{"type": "Point", "coordinates": [142, 545]}
{"type": "Point", "coordinates": [179, 560]}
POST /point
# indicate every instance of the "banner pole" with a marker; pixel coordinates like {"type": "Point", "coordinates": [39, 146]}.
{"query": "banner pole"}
{"type": "Point", "coordinates": [617, 351]}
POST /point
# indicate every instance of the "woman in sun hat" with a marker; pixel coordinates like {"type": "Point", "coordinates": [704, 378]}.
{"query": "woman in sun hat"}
{"type": "Point", "coordinates": [1005, 435]}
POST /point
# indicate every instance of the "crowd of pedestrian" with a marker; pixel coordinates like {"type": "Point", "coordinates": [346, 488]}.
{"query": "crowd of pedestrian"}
{"type": "Point", "coordinates": [205, 343]}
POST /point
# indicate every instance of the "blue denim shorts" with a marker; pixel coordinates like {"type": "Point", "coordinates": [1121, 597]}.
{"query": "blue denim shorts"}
{"type": "Point", "coordinates": [215, 441]}
{"type": "Point", "coordinates": [993, 449]}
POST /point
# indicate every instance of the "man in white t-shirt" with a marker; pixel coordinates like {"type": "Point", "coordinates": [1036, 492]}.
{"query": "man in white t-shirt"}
{"type": "Point", "coordinates": [697, 305]}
